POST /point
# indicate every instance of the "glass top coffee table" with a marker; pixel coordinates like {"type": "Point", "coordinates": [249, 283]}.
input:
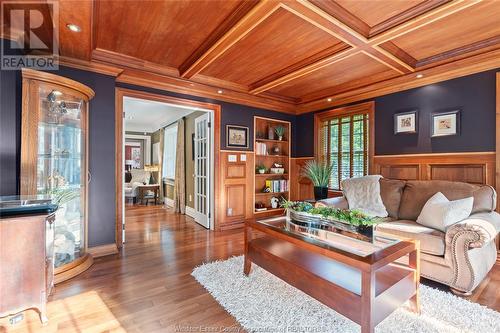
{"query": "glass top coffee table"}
{"type": "Point", "coordinates": [360, 280]}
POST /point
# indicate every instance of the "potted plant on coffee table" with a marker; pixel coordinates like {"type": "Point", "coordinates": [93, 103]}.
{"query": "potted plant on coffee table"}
{"type": "Point", "coordinates": [319, 173]}
{"type": "Point", "coordinates": [350, 223]}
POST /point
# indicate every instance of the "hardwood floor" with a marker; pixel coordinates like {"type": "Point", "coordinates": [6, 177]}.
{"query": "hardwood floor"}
{"type": "Point", "coordinates": [148, 287]}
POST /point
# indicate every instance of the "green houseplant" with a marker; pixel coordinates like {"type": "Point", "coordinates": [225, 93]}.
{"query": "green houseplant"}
{"type": "Point", "coordinates": [280, 132]}
{"type": "Point", "coordinates": [319, 173]}
{"type": "Point", "coordinates": [261, 168]}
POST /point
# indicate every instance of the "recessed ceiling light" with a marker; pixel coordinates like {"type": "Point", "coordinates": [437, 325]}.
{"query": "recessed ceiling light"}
{"type": "Point", "coordinates": [329, 99]}
{"type": "Point", "coordinates": [219, 91]}
{"type": "Point", "coordinates": [419, 76]}
{"type": "Point", "coordinates": [73, 27]}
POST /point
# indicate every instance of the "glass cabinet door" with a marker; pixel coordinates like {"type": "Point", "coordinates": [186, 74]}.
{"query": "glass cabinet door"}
{"type": "Point", "coordinates": [61, 167]}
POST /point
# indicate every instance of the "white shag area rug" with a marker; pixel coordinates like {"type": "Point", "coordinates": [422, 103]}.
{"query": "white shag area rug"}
{"type": "Point", "coordinates": [262, 302]}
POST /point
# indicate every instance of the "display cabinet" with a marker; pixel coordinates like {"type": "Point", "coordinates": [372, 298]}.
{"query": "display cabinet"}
{"type": "Point", "coordinates": [54, 161]}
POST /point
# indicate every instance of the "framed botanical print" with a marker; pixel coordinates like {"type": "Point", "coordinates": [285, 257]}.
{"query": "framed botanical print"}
{"type": "Point", "coordinates": [236, 136]}
{"type": "Point", "coordinates": [445, 123]}
{"type": "Point", "coordinates": [406, 122]}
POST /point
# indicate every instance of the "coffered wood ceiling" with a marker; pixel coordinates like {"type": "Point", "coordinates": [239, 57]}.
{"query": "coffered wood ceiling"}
{"type": "Point", "coordinates": [291, 56]}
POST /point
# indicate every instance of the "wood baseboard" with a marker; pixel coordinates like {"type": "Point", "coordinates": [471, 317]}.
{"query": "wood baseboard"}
{"type": "Point", "coordinates": [74, 268]}
{"type": "Point", "coordinates": [103, 250]}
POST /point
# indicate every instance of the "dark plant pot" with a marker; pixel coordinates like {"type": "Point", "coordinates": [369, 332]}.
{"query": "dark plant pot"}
{"type": "Point", "coordinates": [320, 193]}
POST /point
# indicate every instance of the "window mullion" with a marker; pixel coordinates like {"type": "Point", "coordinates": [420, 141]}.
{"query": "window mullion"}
{"type": "Point", "coordinates": [339, 151]}
{"type": "Point", "coordinates": [365, 144]}
{"type": "Point", "coordinates": [351, 146]}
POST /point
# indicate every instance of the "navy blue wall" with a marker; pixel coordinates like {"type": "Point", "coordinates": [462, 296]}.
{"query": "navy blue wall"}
{"type": "Point", "coordinates": [10, 130]}
{"type": "Point", "coordinates": [474, 95]}
{"type": "Point", "coordinates": [102, 198]}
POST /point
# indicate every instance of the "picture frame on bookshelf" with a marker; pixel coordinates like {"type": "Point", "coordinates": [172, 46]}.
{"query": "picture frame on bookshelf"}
{"type": "Point", "coordinates": [236, 136]}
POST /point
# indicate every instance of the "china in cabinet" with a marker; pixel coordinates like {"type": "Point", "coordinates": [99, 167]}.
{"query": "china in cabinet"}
{"type": "Point", "coordinates": [54, 161]}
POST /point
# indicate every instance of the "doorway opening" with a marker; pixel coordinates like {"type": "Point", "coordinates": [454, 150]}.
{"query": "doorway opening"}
{"type": "Point", "coordinates": [169, 151]}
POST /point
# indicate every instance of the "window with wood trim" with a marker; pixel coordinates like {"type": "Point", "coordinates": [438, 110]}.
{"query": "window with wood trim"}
{"type": "Point", "coordinates": [343, 142]}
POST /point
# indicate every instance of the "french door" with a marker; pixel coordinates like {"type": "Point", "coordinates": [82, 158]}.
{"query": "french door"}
{"type": "Point", "coordinates": [202, 163]}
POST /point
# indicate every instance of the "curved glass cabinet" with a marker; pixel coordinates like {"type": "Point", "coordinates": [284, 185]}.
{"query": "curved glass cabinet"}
{"type": "Point", "coordinates": [54, 161]}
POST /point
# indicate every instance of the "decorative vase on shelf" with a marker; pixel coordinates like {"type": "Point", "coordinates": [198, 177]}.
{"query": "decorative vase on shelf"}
{"type": "Point", "coordinates": [270, 133]}
{"type": "Point", "coordinates": [320, 193]}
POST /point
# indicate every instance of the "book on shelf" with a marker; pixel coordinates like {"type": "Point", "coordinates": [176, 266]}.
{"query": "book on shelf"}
{"type": "Point", "coordinates": [260, 148]}
{"type": "Point", "coordinates": [277, 186]}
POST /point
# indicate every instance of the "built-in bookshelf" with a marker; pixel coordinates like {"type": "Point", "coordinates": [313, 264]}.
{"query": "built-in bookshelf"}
{"type": "Point", "coordinates": [271, 152]}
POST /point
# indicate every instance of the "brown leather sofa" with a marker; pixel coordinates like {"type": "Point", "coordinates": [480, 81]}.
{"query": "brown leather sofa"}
{"type": "Point", "coordinates": [460, 257]}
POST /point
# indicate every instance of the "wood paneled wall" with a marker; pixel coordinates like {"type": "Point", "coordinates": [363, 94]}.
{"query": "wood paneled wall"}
{"type": "Point", "coordinates": [301, 187]}
{"type": "Point", "coordinates": [475, 168]}
{"type": "Point", "coordinates": [236, 190]}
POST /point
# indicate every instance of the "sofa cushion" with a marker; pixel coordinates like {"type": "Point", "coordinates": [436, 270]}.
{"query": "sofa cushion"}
{"type": "Point", "coordinates": [391, 191]}
{"type": "Point", "coordinates": [363, 194]}
{"type": "Point", "coordinates": [416, 193]}
{"type": "Point", "coordinates": [431, 241]}
{"type": "Point", "coordinates": [140, 176]}
{"type": "Point", "coordinates": [440, 213]}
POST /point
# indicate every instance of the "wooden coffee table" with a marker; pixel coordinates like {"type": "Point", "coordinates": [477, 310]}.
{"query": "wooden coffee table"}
{"type": "Point", "coordinates": [358, 279]}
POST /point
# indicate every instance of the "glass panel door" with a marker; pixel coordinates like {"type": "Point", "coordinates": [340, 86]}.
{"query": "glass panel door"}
{"type": "Point", "coordinates": [61, 168]}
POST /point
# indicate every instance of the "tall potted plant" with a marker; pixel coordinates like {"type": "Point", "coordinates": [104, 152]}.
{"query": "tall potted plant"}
{"type": "Point", "coordinates": [319, 174]}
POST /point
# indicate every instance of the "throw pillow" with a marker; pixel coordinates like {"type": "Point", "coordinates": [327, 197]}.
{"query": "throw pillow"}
{"type": "Point", "coordinates": [439, 213]}
{"type": "Point", "coordinates": [363, 194]}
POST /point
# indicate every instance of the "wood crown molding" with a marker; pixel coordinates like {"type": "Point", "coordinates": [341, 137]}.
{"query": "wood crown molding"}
{"type": "Point", "coordinates": [90, 66]}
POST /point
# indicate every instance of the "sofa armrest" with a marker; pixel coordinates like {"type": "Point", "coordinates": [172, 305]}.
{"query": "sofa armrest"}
{"type": "Point", "coordinates": [337, 202]}
{"type": "Point", "coordinates": [478, 229]}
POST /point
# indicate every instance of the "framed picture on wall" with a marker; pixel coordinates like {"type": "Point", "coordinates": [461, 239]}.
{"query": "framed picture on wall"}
{"type": "Point", "coordinates": [406, 122]}
{"type": "Point", "coordinates": [236, 136]}
{"type": "Point", "coordinates": [445, 123]}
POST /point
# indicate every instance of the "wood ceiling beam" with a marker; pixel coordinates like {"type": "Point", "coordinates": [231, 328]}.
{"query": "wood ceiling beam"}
{"type": "Point", "coordinates": [253, 18]}
{"type": "Point", "coordinates": [481, 45]}
{"type": "Point", "coordinates": [475, 64]}
{"type": "Point", "coordinates": [422, 20]}
{"type": "Point", "coordinates": [357, 41]}
{"type": "Point", "coordinates": [407, 15]}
